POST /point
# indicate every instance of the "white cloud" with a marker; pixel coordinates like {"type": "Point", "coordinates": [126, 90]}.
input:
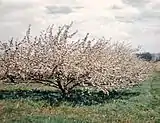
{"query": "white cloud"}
{"type": "Point", "coordinates": [129, 20]}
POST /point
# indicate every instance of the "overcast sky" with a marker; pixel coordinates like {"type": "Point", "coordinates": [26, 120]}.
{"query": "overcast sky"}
{"type": "Point", "coordinates": [135, 21]}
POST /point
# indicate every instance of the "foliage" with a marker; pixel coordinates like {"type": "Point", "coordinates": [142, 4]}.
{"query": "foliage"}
{"type": "Point", "coordinates": [55, 60]}
{"type": "Point", "coordinates": [156, 66]}
{"type": "Point", "coordinates": [145, 56]}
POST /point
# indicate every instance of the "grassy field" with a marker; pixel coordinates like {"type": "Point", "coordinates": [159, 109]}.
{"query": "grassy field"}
{"type": "Point", "coordinates": [28, 103]}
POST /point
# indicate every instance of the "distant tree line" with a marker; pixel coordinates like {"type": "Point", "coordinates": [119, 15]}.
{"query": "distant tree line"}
{"type": "Point", "coordinates": [149, 56]}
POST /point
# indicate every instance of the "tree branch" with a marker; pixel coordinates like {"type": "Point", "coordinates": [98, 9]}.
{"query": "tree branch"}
{"type": "Point", "coordinates": [49, 83]}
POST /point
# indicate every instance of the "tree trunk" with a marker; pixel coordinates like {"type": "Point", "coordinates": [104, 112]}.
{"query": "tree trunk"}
{"type": "Point", "coordinates": [11, 78]}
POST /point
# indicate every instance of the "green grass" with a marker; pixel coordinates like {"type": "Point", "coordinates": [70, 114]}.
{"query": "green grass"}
{"type": "Point", "coordinates": [137, 105]}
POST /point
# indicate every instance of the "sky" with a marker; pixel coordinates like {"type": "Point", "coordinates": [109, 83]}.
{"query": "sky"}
{"type": "Point", "coordinates": [132, 21]}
